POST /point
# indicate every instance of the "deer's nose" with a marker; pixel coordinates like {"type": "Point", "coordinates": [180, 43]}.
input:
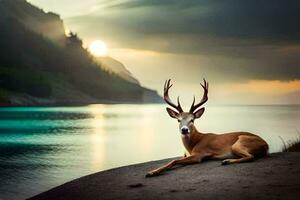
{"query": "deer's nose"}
{"type": "Point", "coordinates": [184, 130]}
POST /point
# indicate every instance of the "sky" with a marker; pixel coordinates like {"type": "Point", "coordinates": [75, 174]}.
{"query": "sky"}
{"type": "Point", "coordinates": [248, 50]}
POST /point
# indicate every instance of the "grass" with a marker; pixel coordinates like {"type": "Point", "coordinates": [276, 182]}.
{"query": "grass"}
{"type": "Point", "coordinates": [293, 146]}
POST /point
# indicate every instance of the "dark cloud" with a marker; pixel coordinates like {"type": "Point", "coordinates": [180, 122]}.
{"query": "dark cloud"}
{"type": "Point", "coordinates": [143, 3]}
{"type": "Point", "coordinates": [265, 35]}
{"type": "Point", "coordinates": [197, 22]}
{"type": "Point", "coordinates": [256, 19]}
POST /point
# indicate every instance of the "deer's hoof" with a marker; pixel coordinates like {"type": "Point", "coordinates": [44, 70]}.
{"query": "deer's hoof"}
{"type": "Point", "coordinates": [225, 162]}
{"type": "Point", "coordinates": [151, 174]}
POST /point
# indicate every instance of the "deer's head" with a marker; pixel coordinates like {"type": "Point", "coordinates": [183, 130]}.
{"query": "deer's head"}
{"type": "Point", "coordinates": [185, 119]}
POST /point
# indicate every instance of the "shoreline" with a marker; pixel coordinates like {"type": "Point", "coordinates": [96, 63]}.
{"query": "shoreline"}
{"type": "Point", "coordinates": [274, 177]}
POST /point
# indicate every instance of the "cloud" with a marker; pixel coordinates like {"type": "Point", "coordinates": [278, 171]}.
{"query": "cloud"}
{"type": "Point", "coordinates": [196, 25]}
{"type": "Point", "coordinates": [244, 40]}
{"type": "Point", "coordinates": [238, 19]}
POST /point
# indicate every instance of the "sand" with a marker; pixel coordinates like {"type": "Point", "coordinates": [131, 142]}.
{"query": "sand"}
{"type": "Point", "coordinates": [274, 177]}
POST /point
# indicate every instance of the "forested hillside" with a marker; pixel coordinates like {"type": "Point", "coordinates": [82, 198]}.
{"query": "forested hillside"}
{"type": "Point", "coordinates": [40, 65]}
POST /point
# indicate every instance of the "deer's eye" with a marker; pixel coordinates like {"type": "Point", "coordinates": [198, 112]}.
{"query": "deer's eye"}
{"type": "Point", "coordinates": [192, 121]}
{"type": "Point", "coordinates": [178, 120]}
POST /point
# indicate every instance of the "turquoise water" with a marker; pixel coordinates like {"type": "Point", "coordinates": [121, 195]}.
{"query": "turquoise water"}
{"type": "Point", "coordinates": [42, 147]}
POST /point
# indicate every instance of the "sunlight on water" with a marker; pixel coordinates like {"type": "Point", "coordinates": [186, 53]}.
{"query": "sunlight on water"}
{"type": "Point", "coordinates": [98, 137]}
{"type": "Point", "coordinates": [42, 147]}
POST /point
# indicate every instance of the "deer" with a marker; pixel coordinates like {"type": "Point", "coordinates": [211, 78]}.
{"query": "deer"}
{"type": "Point", "coordinates": [234, 147]}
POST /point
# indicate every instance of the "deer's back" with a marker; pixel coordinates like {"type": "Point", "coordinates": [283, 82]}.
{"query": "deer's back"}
{"type": "Point", "coordinates": [220, 144]}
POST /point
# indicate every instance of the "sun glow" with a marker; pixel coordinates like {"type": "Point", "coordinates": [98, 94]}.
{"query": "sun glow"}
{"type": "Point", "coordinates": [98, 48]}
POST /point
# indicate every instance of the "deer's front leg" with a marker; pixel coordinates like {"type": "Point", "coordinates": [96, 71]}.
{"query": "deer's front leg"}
{"type": "Point", "coordinates": [183, 161]}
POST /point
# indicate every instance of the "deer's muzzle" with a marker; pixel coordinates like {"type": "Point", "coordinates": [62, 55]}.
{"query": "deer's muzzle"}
{"type": "Point", "coordinates": [185, 130]}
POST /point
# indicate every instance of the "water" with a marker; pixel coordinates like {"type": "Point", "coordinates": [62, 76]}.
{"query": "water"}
{"type": "Point", "coordinates": [42, 147]}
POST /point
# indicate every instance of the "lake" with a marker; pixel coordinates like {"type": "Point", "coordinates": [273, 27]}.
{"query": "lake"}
{"type": "Point", "coordinates": [43, 147]}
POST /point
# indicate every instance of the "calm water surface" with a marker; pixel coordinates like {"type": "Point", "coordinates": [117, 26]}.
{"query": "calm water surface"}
{"type": "Point", "coordinates": [42, 147]}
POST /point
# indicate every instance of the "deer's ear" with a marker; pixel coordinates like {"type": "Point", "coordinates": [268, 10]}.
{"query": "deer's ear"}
{"type": "Point", "coordinates": [172, 113]}
{"type": "Point", "coordinates": [199, 113]}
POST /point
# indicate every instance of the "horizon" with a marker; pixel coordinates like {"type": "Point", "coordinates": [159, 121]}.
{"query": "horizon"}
{"type": "Point", "coordinates": [244, 65]}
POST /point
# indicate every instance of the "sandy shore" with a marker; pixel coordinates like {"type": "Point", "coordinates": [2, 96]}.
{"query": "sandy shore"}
{"type": "Point", "coordinates": [274, 177]}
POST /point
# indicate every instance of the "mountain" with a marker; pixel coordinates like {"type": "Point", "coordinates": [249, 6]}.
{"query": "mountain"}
{"type": "Point", "coordinates": [40, 65]}
{"type": "Point", "coordinates": [110, 64]}
{"type": "Point", "coordinates": [35, 19]}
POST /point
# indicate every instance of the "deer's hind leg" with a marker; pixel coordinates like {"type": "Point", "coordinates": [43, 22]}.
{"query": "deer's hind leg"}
{"type": "Point", "coordinates": [244, 147]}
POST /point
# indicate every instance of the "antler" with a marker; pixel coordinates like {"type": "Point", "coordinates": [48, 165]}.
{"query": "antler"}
{"type": "Point", "coordinates": [167, 98]}
{"type": "Point", "coordinates": [204, 98]}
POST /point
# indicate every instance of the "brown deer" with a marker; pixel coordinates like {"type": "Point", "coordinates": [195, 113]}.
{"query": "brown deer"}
{"type": "Point", "coordinates": [236, 147]}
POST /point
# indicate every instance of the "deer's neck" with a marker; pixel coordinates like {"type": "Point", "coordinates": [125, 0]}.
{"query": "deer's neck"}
{"type": "Point", "coordinates": [190, 140]}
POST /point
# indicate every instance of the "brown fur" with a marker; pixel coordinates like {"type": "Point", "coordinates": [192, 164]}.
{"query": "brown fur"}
{"type": "Point", "coordinates": [237, 147]}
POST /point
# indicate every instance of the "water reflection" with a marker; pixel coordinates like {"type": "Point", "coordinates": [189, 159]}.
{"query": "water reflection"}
{"type": "Point", "coordinates": [98, 136]}
{"type": "Point", "coordinates": [44, 147]}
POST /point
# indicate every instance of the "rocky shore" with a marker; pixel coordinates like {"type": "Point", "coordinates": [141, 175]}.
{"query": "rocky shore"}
{"type": "Point", "coordinates": [274, 177]}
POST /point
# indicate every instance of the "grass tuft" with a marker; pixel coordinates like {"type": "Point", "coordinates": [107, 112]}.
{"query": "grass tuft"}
{"type": "Point", "coordinates": [293, 146]}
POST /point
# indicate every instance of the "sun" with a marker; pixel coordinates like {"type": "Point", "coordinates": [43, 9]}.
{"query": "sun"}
{"type": "Point", "coordinates": [98, 48]}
